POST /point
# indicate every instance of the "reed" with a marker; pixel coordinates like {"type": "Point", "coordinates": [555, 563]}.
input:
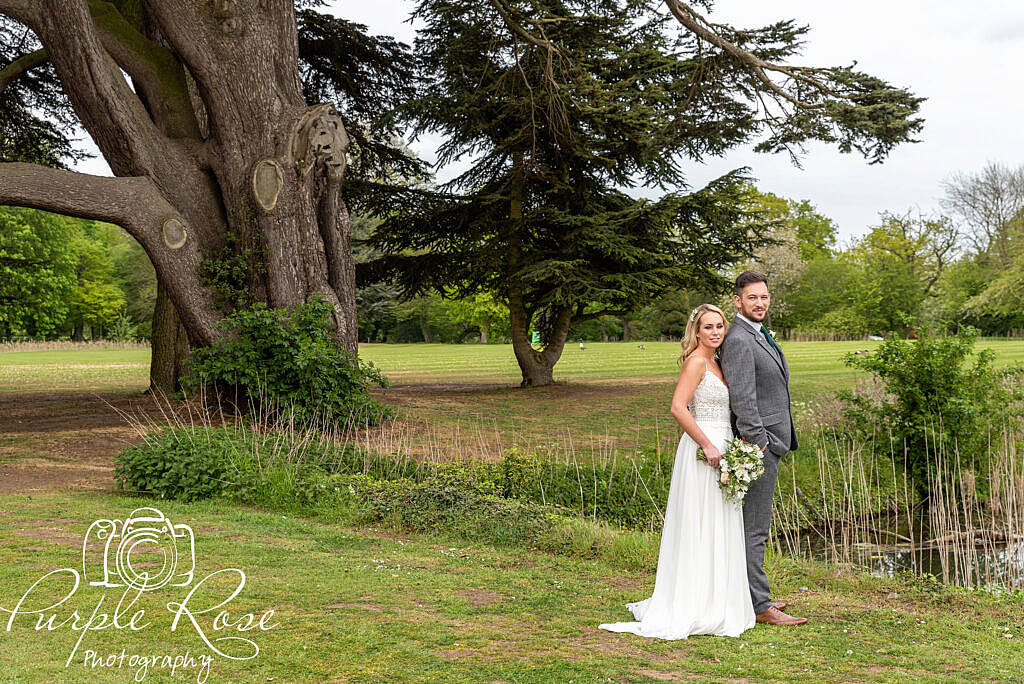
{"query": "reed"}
{"type": "Point", "coordinates": [968, 530]}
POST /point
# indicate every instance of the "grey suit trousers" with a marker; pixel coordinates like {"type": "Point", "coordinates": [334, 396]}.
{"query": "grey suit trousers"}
{"type": "Point", "coordinates": [757, 518]}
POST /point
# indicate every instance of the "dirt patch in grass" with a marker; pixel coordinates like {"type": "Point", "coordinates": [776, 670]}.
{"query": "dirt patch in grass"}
{"type": "Point", "coordinates": [676, 675]}
{"type": "Point", "coordinates": [73, 438]}
{"type": "Point", "coordinates": [372, 607]}
{"type": "Point", "coordinates": [627, 582]}
{"type": "Point", "coordinates": [51, 534]}
{"type": "Point", "coordinates": [480, 597]}
{"type": "Point", "coordinates": [440, 388]}
{"type": "Point", "coordinates": [594, 639]}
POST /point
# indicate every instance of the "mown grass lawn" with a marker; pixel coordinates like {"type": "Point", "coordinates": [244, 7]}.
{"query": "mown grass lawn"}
{"type": "Point", "coordinates": [816, 366]}
{"type": "Point", "coordinates": [369, 605]}
{"type": "Point", "coordinates": [365, 604]}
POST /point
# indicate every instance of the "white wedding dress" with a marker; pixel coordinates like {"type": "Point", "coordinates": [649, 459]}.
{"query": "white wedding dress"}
{"type": "Point", "coordinates": [701, 584]}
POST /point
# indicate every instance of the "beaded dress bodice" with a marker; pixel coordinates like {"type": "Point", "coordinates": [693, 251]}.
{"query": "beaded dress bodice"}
{"type": "Point", "coordinates": [710, 403]}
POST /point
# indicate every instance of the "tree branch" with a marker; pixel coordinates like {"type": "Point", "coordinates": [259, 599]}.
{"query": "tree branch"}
{"type": "Point", "coordinates": [155, 71]}
{"type": "Point", "coordinates": [109, 110]}
{"type": "Point", "coordinates": [706, 31]}
{"type": "Point", "coordinates": [517, 28]}
{"type": "Point", "coordinates": [22, 11]}
{"type": "Point", "coordinates": [137, 205]}
{"type": "Point", "coordinates": [99, 198]}
{"type": "Point", "coordinates": [22, 65]}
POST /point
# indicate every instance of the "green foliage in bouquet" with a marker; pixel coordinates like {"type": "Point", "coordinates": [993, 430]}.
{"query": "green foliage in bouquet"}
{"type": "Point", "coordinates": [741, 464]}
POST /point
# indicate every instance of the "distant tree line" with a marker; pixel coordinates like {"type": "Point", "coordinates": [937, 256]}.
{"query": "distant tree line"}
{"type": "Point", "coordinates": [77, 279]}
{"type": "Point", "coordinates": [73, 279]}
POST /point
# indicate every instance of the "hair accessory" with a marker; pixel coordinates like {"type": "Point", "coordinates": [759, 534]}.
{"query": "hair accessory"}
{"type": "Point", "coordinates": [694, 314]}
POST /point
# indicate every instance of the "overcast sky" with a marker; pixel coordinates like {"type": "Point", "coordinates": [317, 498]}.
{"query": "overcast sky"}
{"type": "Point", "coordinates": [962, 56]}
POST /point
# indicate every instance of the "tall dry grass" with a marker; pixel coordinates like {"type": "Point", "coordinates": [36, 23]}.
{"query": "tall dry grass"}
{"type": "Point", "coordinates": [968, 531]}
{"type": "Point", "coordinates": [66, 345]}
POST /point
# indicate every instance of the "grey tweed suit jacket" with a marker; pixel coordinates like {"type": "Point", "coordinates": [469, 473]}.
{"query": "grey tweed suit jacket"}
{"type": "Point", "coordinates": [758, 381]}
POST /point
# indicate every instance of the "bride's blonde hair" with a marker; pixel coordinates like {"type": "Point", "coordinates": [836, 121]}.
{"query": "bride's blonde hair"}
{"type": "Point", "coordinates": [689, 342]}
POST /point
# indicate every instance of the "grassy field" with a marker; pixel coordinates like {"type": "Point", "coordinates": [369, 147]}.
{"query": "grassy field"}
{"type": "Point", "coordinates": [815, 366]}
{"type": "Point", "coordinates": [370, 605]}
{"type": "Point", "coordinates": [464, 399]}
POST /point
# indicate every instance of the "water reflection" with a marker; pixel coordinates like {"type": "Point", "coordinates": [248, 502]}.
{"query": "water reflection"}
{"type": "Point", "coordinates": [966, 562]}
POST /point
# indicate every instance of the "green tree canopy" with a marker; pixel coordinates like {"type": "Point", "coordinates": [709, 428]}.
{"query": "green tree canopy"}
{"type": "Point", "coordinates": [559, 106]}
{"type": "Point", "coordinates": [37, 271]}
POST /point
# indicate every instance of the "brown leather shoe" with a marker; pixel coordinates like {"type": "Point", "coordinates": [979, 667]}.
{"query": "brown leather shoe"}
{"type": "Point", "coordinates": [774, 616]}
{"type": "Point", "coordinates": [781, 605]}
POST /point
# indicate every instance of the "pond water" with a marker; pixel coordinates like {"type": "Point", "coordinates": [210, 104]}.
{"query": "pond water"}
{"type": "Point", "coordinates": [969, 558]}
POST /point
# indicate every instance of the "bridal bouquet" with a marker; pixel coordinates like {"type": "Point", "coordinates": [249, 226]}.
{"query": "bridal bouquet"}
{"type": "Point", "coordinates": [742, 463]}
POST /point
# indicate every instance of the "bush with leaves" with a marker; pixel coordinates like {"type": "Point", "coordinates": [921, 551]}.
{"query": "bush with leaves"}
{"type": "Point", "coordinates": [938, 401]}
{"type": "Point", "coordinates": [270, 467]}
{"type": "Point", "coordinates": [291, 360]}
{"type": "Point", "coordinates": [183, 463]}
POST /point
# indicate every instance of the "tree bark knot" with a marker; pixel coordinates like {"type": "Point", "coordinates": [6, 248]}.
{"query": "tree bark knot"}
{"type": "Point", "coordinates": [320, 138]}
{"type": "Point", "coordinates": [223, 12]}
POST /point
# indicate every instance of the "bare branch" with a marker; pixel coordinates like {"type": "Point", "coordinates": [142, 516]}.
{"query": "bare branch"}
{"type": "Point", "coordinates": [22, 65]}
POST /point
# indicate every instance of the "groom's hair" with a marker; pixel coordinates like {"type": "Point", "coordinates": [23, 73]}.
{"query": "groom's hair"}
{"type": "Point", "coordinates": [748, 277]}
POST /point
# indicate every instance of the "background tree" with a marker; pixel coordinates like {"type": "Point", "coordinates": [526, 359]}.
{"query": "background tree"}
{"type": "Point", "coordinates": [560, 104]}
{"type": "Point", "coordinates": [137, 280]}
{"type": "Point", "coordinates": [484, 312]}
{"type": "Point", "coordinates": [986, 284]}
{"type": "Point", "coordinates": [989, 203]}
{"type": "Point", "coordinates": [212, 118]}
{"type": "Point", "coordinates": [37, 272]}
{"type": "Point", "coordinates": [926, 246]}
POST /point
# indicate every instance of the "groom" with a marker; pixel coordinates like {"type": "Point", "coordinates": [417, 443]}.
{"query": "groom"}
{"type": "Point", "coordinates": [758, 377]}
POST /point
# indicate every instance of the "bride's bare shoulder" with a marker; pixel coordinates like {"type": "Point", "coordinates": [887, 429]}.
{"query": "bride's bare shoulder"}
{"type": "Point", "coordinates": [695, 366]}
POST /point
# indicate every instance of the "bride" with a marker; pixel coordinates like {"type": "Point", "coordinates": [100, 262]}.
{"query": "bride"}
{"type": "Point", "coordinates": [701, 584]}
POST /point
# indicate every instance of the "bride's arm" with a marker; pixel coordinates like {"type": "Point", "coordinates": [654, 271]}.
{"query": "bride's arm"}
{"type": "Point", "coordinates": [689, 378]}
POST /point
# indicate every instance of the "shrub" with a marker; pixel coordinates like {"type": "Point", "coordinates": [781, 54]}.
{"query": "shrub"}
{"type": "Point", "coordinates": [937, 401]}
{"type": "Point", "coordinates": [293, 360]}
{"type": "Point", "coordinates": [282, 468]}
{"type": "Point", "coordinates": [179, 463]}
{"type": "Point", "coordinates": [276, 467]}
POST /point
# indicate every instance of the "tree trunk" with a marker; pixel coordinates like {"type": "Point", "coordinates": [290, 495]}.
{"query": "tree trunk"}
{"type": "Point", "coordinates": [483, 333]}
{"type": "Point", "coordinates": [212, 146]}
{"type": "Point", "coordinates": [537, 367]}
{"type": "Point", "coordinates": [425, 328]}
{"type": "Point", "coordinates": [625, 329]}
{"type": "Point", "coordinates": [169, 346]}
{"type": "Point", "coordinates": [604, 332]}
